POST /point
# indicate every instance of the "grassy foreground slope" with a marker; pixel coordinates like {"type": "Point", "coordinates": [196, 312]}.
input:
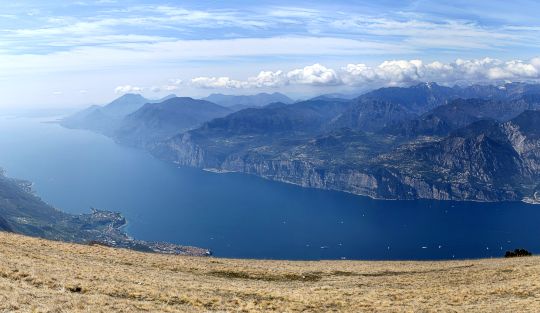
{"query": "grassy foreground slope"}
{"type": "Point", "coordinates": [37, 275]}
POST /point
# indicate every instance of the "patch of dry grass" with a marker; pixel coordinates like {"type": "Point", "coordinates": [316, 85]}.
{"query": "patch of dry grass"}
{"type": "Point", "coordinates": [45, 276]}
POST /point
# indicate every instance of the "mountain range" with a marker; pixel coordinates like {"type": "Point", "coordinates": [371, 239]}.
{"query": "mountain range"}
{"type": "Point", "coordinates": [135, 120]}
{"type": "Point", "coordinates": [430, 141]}
{"type": "Point", "coordinates": [105, 119]}
{"type": "Point", "coordinates": [157, 121]}
{"type": "Point", "coordinates": [238, 102]}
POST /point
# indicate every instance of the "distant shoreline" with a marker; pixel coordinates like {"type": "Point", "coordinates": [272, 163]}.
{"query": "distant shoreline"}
{"type": "Point", "coordinates": [527, 200]}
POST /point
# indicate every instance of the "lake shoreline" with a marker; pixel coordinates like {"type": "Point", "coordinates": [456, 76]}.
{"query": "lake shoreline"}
{"type": "Point", "coordinates": [247, 216]}
{"type": "Point", "coordinates": [220, 171]}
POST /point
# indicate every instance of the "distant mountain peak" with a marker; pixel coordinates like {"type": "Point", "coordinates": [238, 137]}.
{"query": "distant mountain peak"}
{"type": "Point", "coordinates": [167, 97]}
{"type": "Point", "coordinates": [129, 96]}
{"type": "Point", "coordinates": [157, 121]}
{"type": "Point", "coordinates": [123, 99]}
{"type": "Point", "coordinates": [125, 104]}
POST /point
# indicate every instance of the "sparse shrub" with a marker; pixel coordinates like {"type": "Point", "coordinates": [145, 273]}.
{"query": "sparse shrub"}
{"type": "Point", "coordinates": [75, 289]}
{"type": "Point", "coordinates": [98, 243]}
{"type": "Point", "coordinates": [517, 253]}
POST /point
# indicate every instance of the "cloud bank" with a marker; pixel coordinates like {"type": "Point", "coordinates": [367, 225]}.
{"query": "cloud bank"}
{"type": "Point", "coordinates": [388, 73]}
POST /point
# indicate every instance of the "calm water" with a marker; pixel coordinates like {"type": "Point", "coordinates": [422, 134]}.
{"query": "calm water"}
{"type": "Point", "coordinates": [243, 216]}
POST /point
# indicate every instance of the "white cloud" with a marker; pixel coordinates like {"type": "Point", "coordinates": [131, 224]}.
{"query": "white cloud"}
{"type": "Point", "coordinates": [476, 70]}
{"type": "Point", "coordinates": [164, 88]}
{"type": "Point", "coordinates": [388, 73]}
{"type": "Point", "coordinates": [217, 82]}
{"type": "Point", "coordinates": [293, 12]}
{"type": "Point", "coordinates": [175, 81]}
{"type": "Point", "coordinates": [268, 79]}
{"type": "Point", "coordinates": [315, 74]}
{"type": "Point", "coordinates": [170, 87]}
{"type": "Point", "coordinates": [128, 89]}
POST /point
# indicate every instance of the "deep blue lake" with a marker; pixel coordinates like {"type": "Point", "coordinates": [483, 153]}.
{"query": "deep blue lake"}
{"type": "Point", "coordinates": [243, 216]}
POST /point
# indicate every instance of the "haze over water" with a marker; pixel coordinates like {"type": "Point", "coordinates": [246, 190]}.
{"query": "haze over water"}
{"type": "Point", "coordinates": [242, 216]}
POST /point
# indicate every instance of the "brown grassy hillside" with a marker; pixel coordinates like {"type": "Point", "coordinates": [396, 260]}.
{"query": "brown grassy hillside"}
{"type": "Point", "coordinates": [44, 276]}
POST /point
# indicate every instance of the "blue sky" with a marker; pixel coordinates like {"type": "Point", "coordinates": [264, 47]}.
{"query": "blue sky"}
{"type": "Point", "coordinates": [73, 53]}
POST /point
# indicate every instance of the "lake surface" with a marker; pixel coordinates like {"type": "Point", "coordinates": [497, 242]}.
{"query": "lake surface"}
{"type": "Point", "coordinates": [243, 216]}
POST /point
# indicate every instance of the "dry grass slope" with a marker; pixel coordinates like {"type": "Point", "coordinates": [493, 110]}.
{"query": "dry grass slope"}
{"type": "Point", "coordinates": [44, 276]}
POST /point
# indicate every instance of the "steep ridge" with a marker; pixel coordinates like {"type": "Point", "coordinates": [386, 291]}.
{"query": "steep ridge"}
{"type": "Point", "coordinates": [424, 97]}
{"type": "Point", "coordinates": [459, 113]}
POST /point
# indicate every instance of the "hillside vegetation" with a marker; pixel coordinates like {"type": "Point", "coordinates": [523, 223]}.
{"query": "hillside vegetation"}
{"type": "Point", "coordinates": [37, 275]}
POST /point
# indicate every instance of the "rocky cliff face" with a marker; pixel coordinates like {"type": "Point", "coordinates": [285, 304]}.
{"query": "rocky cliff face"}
{"type": "Point", "coordinates": [486, 161]}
